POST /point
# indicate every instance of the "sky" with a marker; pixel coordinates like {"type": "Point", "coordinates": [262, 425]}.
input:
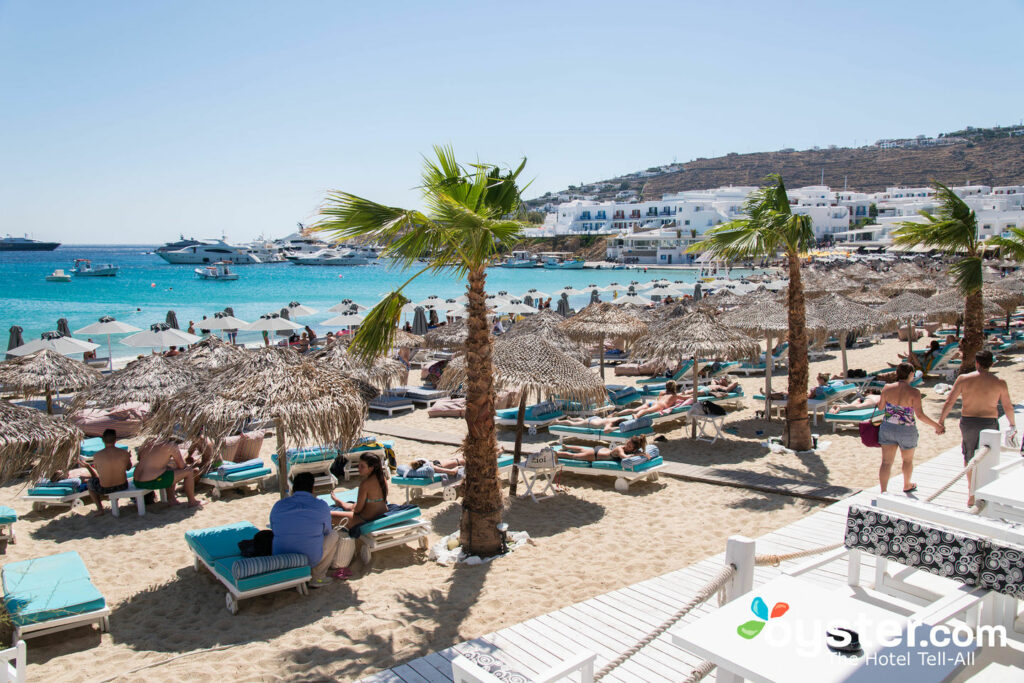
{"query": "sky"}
{"type": "Point", "coordinates": [134, 122]}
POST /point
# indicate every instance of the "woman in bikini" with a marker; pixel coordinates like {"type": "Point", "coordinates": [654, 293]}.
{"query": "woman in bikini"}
{"type": "Point", "coordinates": [901, 408]}
{"type": "Point", "coordinates": [635, 446]}
{"type": "Point", "coordinates": [373, 495]}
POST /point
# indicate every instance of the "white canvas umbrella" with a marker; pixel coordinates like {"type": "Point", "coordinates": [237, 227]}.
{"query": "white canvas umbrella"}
{"type": "Point", "coordinates": [344, 320]}
{"type": "Point", "coordinates": [272, 322]}
{"type": "Point", "coordinates": [108, 326]}
{"type": "Point", "coordinates": [537, 294]}
{"type": "Point", "coordinates": [632, 299]}
{"type": "Point", "coordinates": [345, 306]}
{"type": "Point", "coordinates": [160, 334]}
{"type": "Point", "coordinates": [515, 307]}
{"type": "Point", "coordinates": [297, 310]}
{"type": "Point", "coordinates": [223, 321]}
{"type": "Point", "coordinates": [614, 287]}
{"type": "Point", "coordinates": [53, 341]}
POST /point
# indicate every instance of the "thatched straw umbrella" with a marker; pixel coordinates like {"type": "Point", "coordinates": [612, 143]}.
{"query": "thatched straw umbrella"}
{"type": "Point", "coordinates": [450, 336]}
{"type": "Point", "coordinates": [382, 374]}
{"type": "Point", "coordinates": [147, 380]}
{"type": "Point", "coordinates": [46, 372]}
{"type": "Point", "coordinates": [29, 439]}
{"type": "Point", "coordinates": [212, 354]}
{"type": "Point", "coordinates": [842, 316]}
{"type": "Point", "coordinates": [597, 322]}
{"type": "Point", "coordinates": [308, 403]}
{"type": "Point", "coordinates": [1007, 297]}
{"type": "Point", "coordinates": [914, 285]}
{"type": "Point", "coordinates": [531, 365]}
{"type": "Point", "coordinates": [948, 306]}
{"type": "Point", "coordinates": [406, 340]}
{"type": "Point", "coordinates": [868, 297]}
{"type": "Point", "coordinates": [907, 306]}
{"type": "Point", "coordinates": [696, 335]}
{"type": "Point", "coordinates": [546, 325]}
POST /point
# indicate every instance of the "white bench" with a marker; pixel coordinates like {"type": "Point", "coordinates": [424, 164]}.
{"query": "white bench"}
{"type": "Point", "coordinates": [138, 494]}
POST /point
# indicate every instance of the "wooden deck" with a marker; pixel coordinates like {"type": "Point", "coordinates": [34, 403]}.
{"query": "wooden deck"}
{"type": "Point", "coordinates": [611, 623]}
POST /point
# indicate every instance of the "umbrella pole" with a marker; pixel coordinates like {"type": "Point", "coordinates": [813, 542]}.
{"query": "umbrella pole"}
{"type": "Point", "coordinates": [110, 355]}
{"type": "Point", "coordinates": [910, 339]}
{"type": "Point", "coordinates": [842, 347]}
{"type": "Point", "coordinates": [518, 453]}
{"type": "Point", "coordinates": [693, 406]}
{"type": "Point", "coordinates": [282, 463]}
{"type": "Point", "coordinates": [49, 402]}
{"type": "Point", "coordinates": [602, 357]}
{"type": "Point", "coordinates": [768, 377]}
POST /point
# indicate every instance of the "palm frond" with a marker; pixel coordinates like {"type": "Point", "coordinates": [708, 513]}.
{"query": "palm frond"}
{"type": "Point", "coordinates": [952, 229]}
{"type": "Point", "coordinates": [1012, 246]}
{"type": "Point", "coordinates": [376, 335]}
{"type": "Point", "coordinates": [967, 273]}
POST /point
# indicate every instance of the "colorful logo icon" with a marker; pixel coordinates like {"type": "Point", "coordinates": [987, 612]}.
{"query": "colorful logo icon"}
{"type": "Point", "coordinates": [760, 610]}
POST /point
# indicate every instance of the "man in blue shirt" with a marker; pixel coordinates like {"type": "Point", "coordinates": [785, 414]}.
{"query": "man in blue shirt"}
{"type": "Point", "coordinates": [302, 524]}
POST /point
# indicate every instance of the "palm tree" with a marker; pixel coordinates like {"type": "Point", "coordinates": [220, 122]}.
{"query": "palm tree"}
{"type": "Point", "coordinates": [953, 229]}
{"type": "Point", "coordinates": [469, 218]}
{"type": "Point", "coordinates": [770, 227]}
{"type": "Point", "coordinates": [1011, 246]}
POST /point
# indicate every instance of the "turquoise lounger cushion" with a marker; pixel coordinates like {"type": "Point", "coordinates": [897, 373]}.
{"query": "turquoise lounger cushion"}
{"type": "Point", "coordinates": [7, 515]}
{"type": "Point", "coordinates": [307, 455]}
{"type": "Point", "coordinates": [42, 571]}
{"type": "Point", "coordinates": [612, 465]}
{"type": "Point", "coordinates": [239, 475]}
{"type": "Point", "coordinates": [391, 520]}
{"type": "Point", "coordinates": [569, 462]}
{"type": "Point", "coordinates": [60, 598]}
{"type": "Point", "coordinates": [852, 415]}
{"type": "Point", "coordinates": [251, 566]}
{"type": "Point", "coordinates": [91, 446]}
{"type": "Point", "coordinates": [231, 467]}
{"type": "Point", "coordinates": [218, 542]}
{"type": "Point", "coordinates": [223, 568]}
{"type": "Point", "coordinates": [51, 491]}
{"type": "Point", "coordinates": [415, 481]}
{"type": "Point", "coordinates": [505, 461]}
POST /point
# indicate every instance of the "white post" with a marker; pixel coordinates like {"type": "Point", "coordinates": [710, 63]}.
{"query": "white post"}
{"type": "Point", "coordinates": [739, 551]}
{"type": "Point", "coordinates": [984, 472]}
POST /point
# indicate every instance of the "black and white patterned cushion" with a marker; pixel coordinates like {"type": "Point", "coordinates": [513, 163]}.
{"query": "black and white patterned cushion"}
{"type": "Point", "coordinates": [1003, 569]}
{"type": "Point", "coordinates": [932, 548]}
{"type": "Point", "coordinates": [495, 667]}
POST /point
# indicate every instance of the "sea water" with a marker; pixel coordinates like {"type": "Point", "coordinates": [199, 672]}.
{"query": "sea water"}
{"type": "Point", "coordinates": [146, 288]}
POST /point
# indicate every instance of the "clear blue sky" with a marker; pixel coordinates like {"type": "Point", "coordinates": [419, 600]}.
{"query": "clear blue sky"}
{"type": "Point", "coordinates": [134, 121]}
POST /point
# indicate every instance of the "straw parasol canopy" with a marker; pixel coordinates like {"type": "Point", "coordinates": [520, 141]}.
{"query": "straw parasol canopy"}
{"type": "Point", "coordinates": [842, 316]}
{"type": "Point", "coordinates": [531, 365]}
{"type": "Point", "coordinates": [212, 353]}
{"type": "Point", "coordinates": [381, 374]}
{"type": "Point", "coordinates": [599, 321]}
{"type": "Point", "coordinates": [921, 285]}
{"type": "Point", "coordinates": [46, 372]}
{"type": "Point", "coordinates": [406, 340]}
{"type": "Point", "coordinates": [448, 336]}
{"type": "Point", "coordinates": [308, 403]}
{"type": "Point", "coordinates": [31, 440]}
{"type": "Point", "coordinates": [694, 336]}
{"type": "Point", "coordinates": [147, 380]}
{"type": "Point", "coordinates": [546, 325]}
{"type": "Point", "coordinates": [868, 297]}
{"type": "Point", "coordinates": [907, 306]}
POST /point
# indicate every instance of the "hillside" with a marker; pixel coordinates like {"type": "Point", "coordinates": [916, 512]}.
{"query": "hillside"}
{"type": "Point", "coordinates": [977, 158]}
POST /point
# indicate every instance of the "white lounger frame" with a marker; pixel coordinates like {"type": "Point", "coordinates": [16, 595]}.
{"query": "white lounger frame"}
{"type": "Point", "coordinates": [531, 425]}
{"type": "Point", "coordinates": [101, 617]}
{"type": "Point", "coordinates": [139, 495]}
{"type": "Point", "coordinates": [414, 491]}
{"type": "Point", "coordinates": [70, 500]}
{"type": "Point", "coordinates": [623, 478]}
{"type": "Point", "coordinates": [390, 410]}
{"type": "Point", "coordinates": [15, 661]}
{"type": "Point", "coordinates": [416, 529]}
{"type": "Point", "coordinates": [234, 595]}
{"type": "Point", "coordinates": [219, 486]}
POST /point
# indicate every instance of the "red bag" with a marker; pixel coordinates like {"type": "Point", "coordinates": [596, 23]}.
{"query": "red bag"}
{"type": "Point", "coordinates": [869, 434]}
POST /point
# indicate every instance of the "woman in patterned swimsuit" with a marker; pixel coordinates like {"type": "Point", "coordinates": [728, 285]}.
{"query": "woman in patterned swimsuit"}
{"type": "Point", "coordinates": [900, 404]}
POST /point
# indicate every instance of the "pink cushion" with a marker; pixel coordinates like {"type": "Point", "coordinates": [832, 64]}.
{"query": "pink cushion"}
{"type": "Point", "coordinates": [448, 407]}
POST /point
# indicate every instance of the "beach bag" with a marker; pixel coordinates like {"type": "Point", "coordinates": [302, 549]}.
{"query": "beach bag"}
{"type": "Point", "coordinates": [545, 458]}
{"type": "Point", "coordinates": [869, 432]}
{"type": "Point", "coordinates": [260, 545]}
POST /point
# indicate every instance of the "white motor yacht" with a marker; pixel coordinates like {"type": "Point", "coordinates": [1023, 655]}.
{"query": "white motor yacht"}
{"type": "Point", "coordinates": [210, 251]}
{"type": "Point", "coordinates": [300, 245]}
{"type": "Point", "coordinates": [333, 257]}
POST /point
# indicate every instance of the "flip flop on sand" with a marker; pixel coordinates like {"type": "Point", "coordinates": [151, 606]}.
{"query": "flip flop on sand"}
{"type": "Point", "coordinates": [911, 489]}
{"type": "Point", "coordinates": [343, 573]}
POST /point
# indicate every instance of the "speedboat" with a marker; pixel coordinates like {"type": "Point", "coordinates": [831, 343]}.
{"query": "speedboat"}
{"type": "Point", "coordinates": [58, 276]}
{"type": "Point", "coordinates": [564, 264]}
{"type": "Point", "coordinates": [216, 271]}
{"type": "Point", "coordinates": [333, 257]}
{"type": "Point", "coordinates": [210, 251]}
{"type": "Point", "coordinates": [84, 267]}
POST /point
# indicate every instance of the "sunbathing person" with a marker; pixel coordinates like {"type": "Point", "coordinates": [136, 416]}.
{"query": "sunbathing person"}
{"type": "Point", "coordinates": [667, 400]}
{"type": "Point", "coordinates": [721, 387]}
{"type": "Point", "coordinates": [870, 401]}
{"type": "Point", "coordinates": [109, 470]}
{"type": "Point", "coordinates": [162, 467]}
{"type": "Point", "coordinates": [635, 445]}
{"type": "Point", "coordinates": [426, 469]}
{"type": "Point", "coordinates": [200, 448]}
{"type": "Point", "coordinates": [606, 424]}
{"type": "Point", "coordinates": [373, 495]}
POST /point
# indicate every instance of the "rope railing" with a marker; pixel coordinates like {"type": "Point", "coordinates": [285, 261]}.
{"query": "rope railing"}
{"type": "Point", "coordinates": [971, 466]}
{"type": "Point", "coordinates": [775, 560]}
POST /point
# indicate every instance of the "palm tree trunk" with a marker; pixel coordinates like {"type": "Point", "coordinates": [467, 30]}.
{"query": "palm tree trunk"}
{"type": "Point", "coordinates": [481, 503]}
{"type": "Point", "coordinates": [974, 335]}
{"type": "Point", "coordinates": [798, 427]}
{"type": "Point", "coordinates": [517, 455]}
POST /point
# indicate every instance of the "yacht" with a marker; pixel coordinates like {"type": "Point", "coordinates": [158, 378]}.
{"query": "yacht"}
{"type": "Point", "coordinates": [175, 246]}
{"type": "Point", "coordinates": [333, 257]}
{"type": "Point", "coordinates": [266, 251]}
{"type": "Point", "coordinates": [210, 251]}
{"type": "Point", "coordinates": [25, 244]}
{"type": "Point", "coordinates": [84, 267]}
{"type": "Point", "coordinates": [300, 245]}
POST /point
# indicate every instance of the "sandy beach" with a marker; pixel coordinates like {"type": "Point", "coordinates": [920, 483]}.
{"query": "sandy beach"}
{"type": "Point", "coordinates": [587, 541]}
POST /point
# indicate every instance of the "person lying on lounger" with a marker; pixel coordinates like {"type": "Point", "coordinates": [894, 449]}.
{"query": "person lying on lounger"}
{"type": "Point", "coordinates": [721, 387]}
{"type": "Point", "coordinates": [635, 445]}
{"type": "Point", "coordinates": [426, 469]}
{"type": "Point", "coordinates": [667, 400]}
{"type": "Point", "coordinates": [373, 495]}
{"type": "Point", "coordinates": [162, 467]}
{"type": "Point", "coordinates": [869, 401]}
{"type": "Point", "coordinates": [606, 424]}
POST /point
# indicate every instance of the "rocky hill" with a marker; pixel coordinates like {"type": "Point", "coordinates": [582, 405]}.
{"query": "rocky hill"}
{"type": "Point", "coordinates": [975, 156]}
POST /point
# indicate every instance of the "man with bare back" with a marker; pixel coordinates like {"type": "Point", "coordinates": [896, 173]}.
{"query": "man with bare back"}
{"type": "Point", "coordinates": [162, 467]}
{"type": "Point", "coordinates": [109, 470]}
{"type": "Point", "coordinates": [981, 393]}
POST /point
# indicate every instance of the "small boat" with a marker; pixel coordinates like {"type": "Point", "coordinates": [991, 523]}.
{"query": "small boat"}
{"type": "Point", "coordinates": [520, 259]}
{"type": "Point", "coordinates": [564, 264]}
{"type": "Point", "coordinates": [83, 266]}
{"type": "Point", "coordinates": [216, 271]}
{"type": "Point", "coordinates": [58, 276]}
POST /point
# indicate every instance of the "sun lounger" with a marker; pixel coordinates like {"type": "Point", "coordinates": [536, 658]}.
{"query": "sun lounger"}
{"type": "Point", "coordinates": [678, 376]}
{"type": "Point", "coordinates": [633, 369]}
{"type": "Point", "coordinates": [415, 487]}
{"type": "Point", "coordinates": [622, 395]}
{"type": "Point", "coordinates": [50, 594]}
{"type": "Point", "coordinates": [448, 407]}
{"type": "Point", "coordinates": [389, 404]}
{"type": "Point", "coordinates": [647, 470]}
{"type": "Point", "coordinates": [818, 406]}
{"type": "Point", "coordinates": [216, 548]}
{"type": "Point", "coordinates": [425, 396]}
{"type": "Point", "coordinates": [537, 416]}
{"type": "Point", "coordinates": [241, 475]}
{"type": "Point", "coordinates": [850, 417]}
{"type": "Point", "coordinates": [402, 524]}
{"type": "Point", "coordinates": [43, 496]}
{"type": "Point", "coordinates": [318, 459]}
{"type": "Point", "coordinates": [8, 517]}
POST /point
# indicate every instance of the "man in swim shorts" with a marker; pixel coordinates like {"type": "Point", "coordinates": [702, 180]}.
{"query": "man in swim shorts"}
{"type": "Point", "coordinates": [109, 469]}
{"type": "Point", "coordinates": [161, 467]}
{"type": "Point", "coordinates": [982, 393]}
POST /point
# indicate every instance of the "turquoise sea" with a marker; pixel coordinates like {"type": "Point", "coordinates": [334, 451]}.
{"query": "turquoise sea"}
{"type": "Point", "coordinates": [147, 287]}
